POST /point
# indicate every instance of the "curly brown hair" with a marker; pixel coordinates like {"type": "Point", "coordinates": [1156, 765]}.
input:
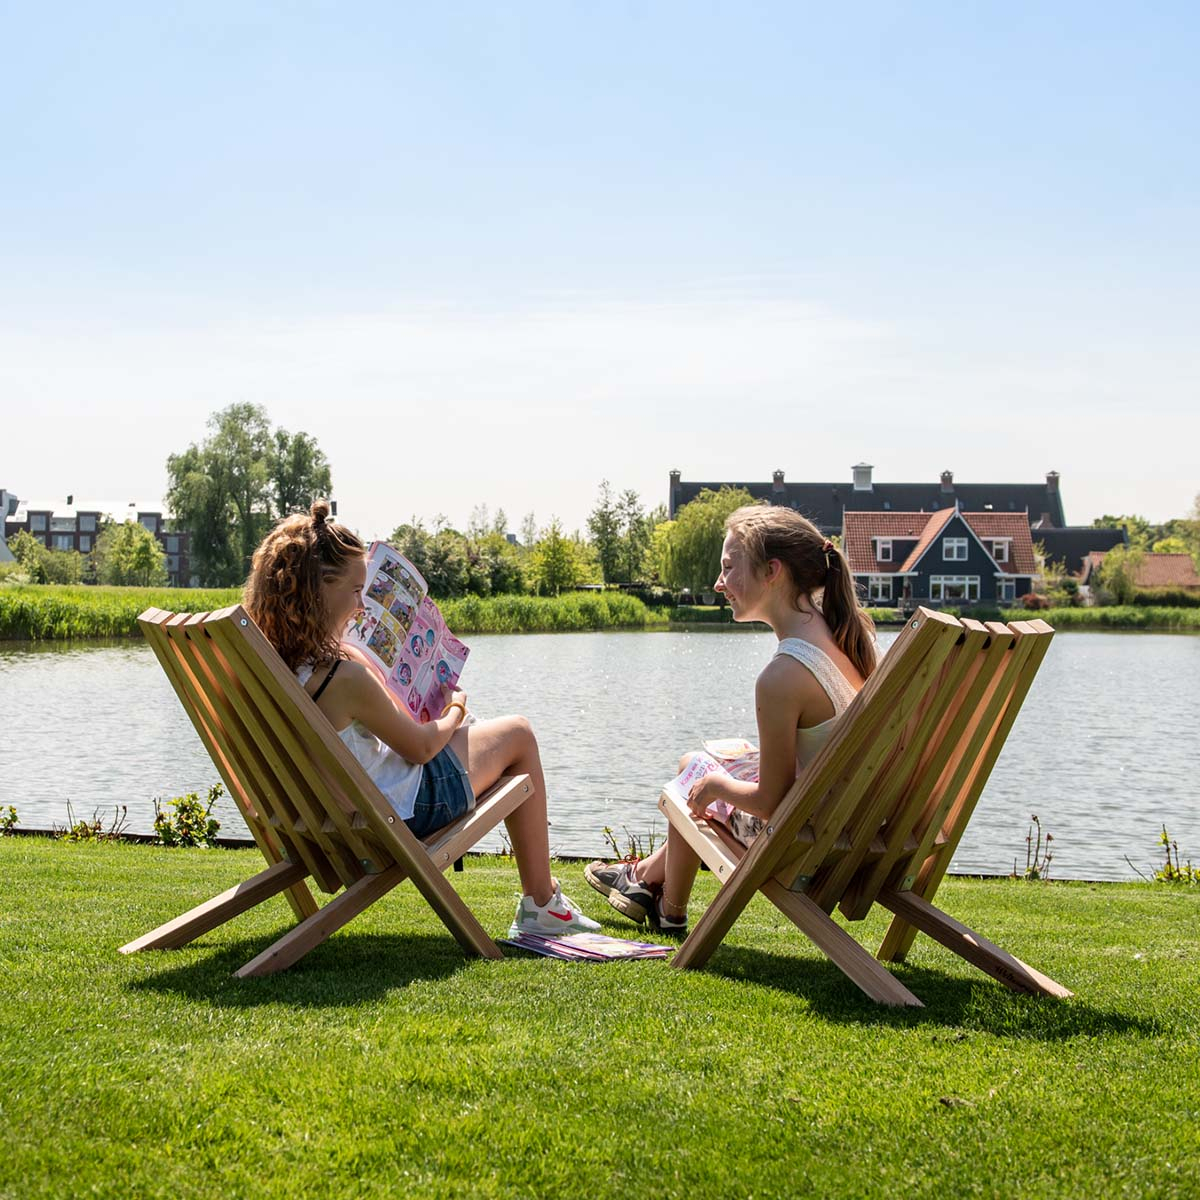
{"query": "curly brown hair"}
{"type": "Point", "coordinates": [815, 565]}
{"type": "Point", "coordinates": [283, 592]}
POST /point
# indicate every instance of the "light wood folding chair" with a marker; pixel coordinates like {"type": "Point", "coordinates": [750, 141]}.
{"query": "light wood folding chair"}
{"type": "Point", "coordinates": [309, 805]}
{"type": "Point", "coordinates": [877, 815]}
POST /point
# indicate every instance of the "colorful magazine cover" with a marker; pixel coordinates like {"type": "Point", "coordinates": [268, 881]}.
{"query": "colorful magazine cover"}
{"type": "Point", "coordinates": [586, 947]}
{"type": "Point", "coordinates": [730, 756]}
{"type": "Point", "coordinates": [401, 630]}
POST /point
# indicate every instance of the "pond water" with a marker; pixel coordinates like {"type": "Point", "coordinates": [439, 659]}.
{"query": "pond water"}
{"type": "Point", "coordinates": [1104, 750]}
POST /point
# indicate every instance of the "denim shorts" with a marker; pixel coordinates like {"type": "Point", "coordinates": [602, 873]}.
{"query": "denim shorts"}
{"type": "Point", "coordinates": [443, 795]}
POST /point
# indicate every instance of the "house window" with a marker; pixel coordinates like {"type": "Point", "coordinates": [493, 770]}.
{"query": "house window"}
{"type": "Point", "coordinates": [85, 542]}
{"type": "Point", "coordinates": [151, 523]}
{"type": "Point", "coordinates": [954, 587]}
{"type": "Point", "coordinates": [954, 550]}
{"type": "Point", "coordinates": [63, 541]}
{"type": "Point", "coordinates": [999, 549]}
{"type": "Point", "coordinates": [173, 563]}
{"type": "Point", "coordinates": [1006, 589]}
{"type": "Point", "coordinates": [880, 588]}
{"type": "Point", "coordinates": [37, 522]}
{"type": "Point", "coordinates": [88, 523]}
{"type": "Point", "coordinates": [173, 545]}
{"type": "Point", "coordinates": [883, 549]}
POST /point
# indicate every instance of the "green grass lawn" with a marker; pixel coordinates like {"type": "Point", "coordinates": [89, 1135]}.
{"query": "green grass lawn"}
{"type": "Point", "coordinates": [387, 1064]}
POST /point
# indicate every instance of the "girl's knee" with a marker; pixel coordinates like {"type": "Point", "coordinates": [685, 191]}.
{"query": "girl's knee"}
{"type": "Point", "coordinates": [685, 759]}
{"type": "Point", "coordinates": [520, 732]}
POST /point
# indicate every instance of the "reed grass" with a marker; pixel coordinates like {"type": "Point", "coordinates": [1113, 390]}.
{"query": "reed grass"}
{"type": "Point", "coordinates": [48, 613]}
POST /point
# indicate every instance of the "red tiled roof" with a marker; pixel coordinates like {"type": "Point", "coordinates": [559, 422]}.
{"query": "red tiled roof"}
{"type": "Point", "coordinates": [936, 523]}
{"type": "Point", "coordinates": [991, 525]}
{"type": "Point", "coordinates": [1156, 570]}
{"type": "Point", "coordinates": [859, 530]}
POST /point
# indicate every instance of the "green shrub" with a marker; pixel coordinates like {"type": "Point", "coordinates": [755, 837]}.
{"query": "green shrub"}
{"type": "Point", "coordinates": [191, 823]}
{"type": "Point", "coordinates": [1166, 597]}
{"type": "Point", "coordinates": [8, 819]}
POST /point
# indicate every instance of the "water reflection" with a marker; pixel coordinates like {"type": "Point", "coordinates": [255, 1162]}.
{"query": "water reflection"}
{"type": "Point", "coordinates": [1102, 750]}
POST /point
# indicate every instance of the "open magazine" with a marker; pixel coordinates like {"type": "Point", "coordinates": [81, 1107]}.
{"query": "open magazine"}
{"type": "Point", "coordinates": [730, 756]}
{"type": "Point", "coordinates": [401, 630]}
{"type": "Point", "coordinates": [586, 947]}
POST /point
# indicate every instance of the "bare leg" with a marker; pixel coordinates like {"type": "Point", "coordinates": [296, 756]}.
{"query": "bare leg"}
{"type": "Point", "coordinates": [672, 868]}
{"type": "Point", "coordinates": [507, 746]}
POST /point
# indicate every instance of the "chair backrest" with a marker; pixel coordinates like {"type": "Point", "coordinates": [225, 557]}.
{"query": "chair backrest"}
{"type": "Point", "coordinates": [892, 791]}
{"type": "Point", "coordinates": [294, 780]}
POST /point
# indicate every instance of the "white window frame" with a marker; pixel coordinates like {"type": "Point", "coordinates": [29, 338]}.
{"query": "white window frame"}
{"type": "Point", "coordinates": [999, 549]}
{"type": "Point", "coordinates": [968, 583]}
{"type": "Point", "coordinates": [1006, 589]}
{"type": "Point", "coordinates": [879, 587]}
{"type": "Point", "coordinates": [883, 549]}
{"type": "Point", "coordinates": [954, 544]}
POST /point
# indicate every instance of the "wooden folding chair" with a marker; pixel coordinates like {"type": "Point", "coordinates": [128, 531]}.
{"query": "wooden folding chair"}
{"type": "Point", "coordinates": [310, 806]}
{"type": "Point", "coordinates": [877, 815]}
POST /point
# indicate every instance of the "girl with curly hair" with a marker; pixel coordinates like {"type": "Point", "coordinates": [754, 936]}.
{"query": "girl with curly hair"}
{"type": "Point", "coordinates": [776, 567]}
{"type": "Point", "coordinates": [305, 585]}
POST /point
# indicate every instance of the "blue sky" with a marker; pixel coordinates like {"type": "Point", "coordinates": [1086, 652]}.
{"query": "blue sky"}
{"type": "Point", "coordinates": [494, 253]}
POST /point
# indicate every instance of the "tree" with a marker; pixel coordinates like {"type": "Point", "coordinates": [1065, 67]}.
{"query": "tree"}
{"type": "Point", "coordinates": [299, 472]}
{"type": "Point", "coordinates": [688, 551]}
{"type": "Point", "coordinates": [1171, 545]}
{"type": "Point", "coordinates": [229, 489]}
{"type": "Point", "coordinates": [635, 535]}
{"type": "Point", "coordinates": [604, 524]}
{"type": "Point", "coordinates": [43, 565]}
{"type": "Point", "coordinates": [1118, 573]}
{"type": "Point", "coordinates": [528, 531]}
{"type": "Point", "coordinates": [557, 562]}
{"type": "Point", "coordinates": [129, 555]}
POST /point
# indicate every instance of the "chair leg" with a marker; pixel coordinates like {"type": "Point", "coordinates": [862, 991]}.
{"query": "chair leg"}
{"type": "Point", "coordinates": [300, 939]}
{"type": "Point", "coordinates": [191, 924]}
{"type": "Point", "coordinates": [968, 944]}
{"type": "Point", "coordinates": [859, 966]}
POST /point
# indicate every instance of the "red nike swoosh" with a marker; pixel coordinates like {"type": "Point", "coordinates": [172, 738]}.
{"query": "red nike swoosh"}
{"type": "Point", "coordinates": [561, 916]}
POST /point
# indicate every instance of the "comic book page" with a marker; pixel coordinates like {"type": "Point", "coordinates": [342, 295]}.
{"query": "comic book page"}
{"type": "Point", "coordinates": [401, 629]}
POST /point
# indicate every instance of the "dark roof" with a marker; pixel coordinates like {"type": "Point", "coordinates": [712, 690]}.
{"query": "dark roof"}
{"type": "Point", "coordinates": [824, 503]}
{"type": "Point", "coordinates": [1071, 546]}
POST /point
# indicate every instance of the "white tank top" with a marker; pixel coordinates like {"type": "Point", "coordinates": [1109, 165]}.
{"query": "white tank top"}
{"type": "Point", "coordinates": [836, 686]}
{"type": "Point", "coordinates": [394, 776]}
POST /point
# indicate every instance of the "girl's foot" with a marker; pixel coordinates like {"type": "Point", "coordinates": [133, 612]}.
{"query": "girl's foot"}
{"type": "Point", "coordinates": [669, 924]}
{"type": "Point", "coordinates": [620, 886]}
{"type": "Point", "coordinates": [560, 914]}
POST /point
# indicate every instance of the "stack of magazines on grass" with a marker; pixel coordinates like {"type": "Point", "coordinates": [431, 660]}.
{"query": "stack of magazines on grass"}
{"type": "Point", "coordinates": [586, 947]}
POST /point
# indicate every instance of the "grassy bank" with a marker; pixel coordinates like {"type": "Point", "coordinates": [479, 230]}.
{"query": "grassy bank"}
{"type": "Point", "coordinates": [388, 1064]}
{"type": "Point", "coordinates": [37, 613]}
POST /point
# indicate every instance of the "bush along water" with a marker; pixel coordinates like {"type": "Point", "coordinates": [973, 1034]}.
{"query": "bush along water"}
{"type": "Point", "coordinates": [190, 823]}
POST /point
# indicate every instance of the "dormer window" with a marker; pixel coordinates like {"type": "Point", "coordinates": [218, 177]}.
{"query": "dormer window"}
{"type": "Point", "coordinates": [954, 550]}
{"type": "Point", "coordinates": [999, 549]}
{"type": "Point", "coordinates": [883, 549]}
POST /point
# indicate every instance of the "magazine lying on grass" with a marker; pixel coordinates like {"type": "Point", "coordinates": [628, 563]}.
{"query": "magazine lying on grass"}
{"type": "Point", "coordinates": [730, 756]}
{"type": "Point", "coordinates": [401, 630]}
{"type": "Point", "coordinates": [586, 947]}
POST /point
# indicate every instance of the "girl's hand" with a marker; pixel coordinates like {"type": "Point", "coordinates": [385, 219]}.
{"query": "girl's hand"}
{"type": "Point", "coordinates": [704, 792]}
{"type": "Point", "coordinates": [454, 696]}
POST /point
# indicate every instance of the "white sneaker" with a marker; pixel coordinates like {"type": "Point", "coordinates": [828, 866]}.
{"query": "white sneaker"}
{"type": "Point", "coordinates": [559, 915]}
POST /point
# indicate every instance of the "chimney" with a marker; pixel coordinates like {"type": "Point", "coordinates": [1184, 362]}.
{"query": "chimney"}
{"type": "Point", "coordinates": [672, 494]}
{"type": "Point", "coordinates": [862, 477]}
{"type": "Point", "coordinates": [333, 508]}
{"type": "Point", "coordinates": [70, 500]}
{"type": "Point", "coordinates": [777, 481]}
{"type": "Point", "coordinates": [1052, 481]}
{"type": "Point", "coordinates": [948, 482]}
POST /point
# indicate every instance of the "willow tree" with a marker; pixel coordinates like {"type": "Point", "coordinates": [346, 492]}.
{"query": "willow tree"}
{"type": "Point", "coordinates": [687, 550]}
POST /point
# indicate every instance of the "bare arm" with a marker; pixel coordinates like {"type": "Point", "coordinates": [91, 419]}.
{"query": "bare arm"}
{"type": "Point", "coordinates": [362, 697]}
{"type": "Point", "coordinates": [779, 697]}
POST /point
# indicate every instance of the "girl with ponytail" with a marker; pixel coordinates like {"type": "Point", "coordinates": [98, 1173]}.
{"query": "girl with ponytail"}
{"type": "Point", "coordinates": [776, 567]}
{"type": "Point", "coordinates": [305, 585]}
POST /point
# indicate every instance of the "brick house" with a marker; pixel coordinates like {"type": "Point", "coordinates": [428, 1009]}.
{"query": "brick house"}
{"type": "Point", "coordinates": [1176, 571]}
{"type": "Point", "coordinates": [946, 557]}
{"type": "Point", "coordinates": [74, 526]}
